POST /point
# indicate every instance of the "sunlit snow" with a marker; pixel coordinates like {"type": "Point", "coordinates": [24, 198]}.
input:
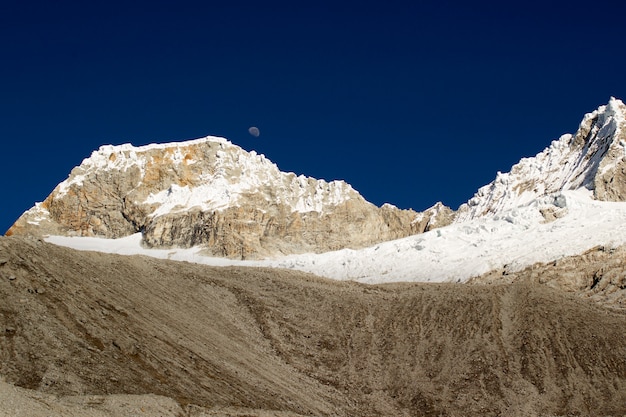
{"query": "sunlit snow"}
{"type": "Point", "coordinates": [561, 166]}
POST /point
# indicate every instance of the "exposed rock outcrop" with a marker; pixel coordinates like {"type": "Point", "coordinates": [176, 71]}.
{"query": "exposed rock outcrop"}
{"type": "Point", "coordinates": [437, 216]}
{"type": "Point", "coordinates": [598, 274]}
{"type": "Point", "coordinates": [211, 192]}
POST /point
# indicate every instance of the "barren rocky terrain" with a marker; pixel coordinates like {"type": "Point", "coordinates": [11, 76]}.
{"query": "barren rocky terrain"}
{"type": "Point", "coordinates": [91, 334]}
{"type": "Point", "coordinates": [598, 274]}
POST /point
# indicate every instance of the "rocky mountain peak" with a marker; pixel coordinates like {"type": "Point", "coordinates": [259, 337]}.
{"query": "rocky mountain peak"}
{"type": "Point", "coordinates": [210, 192]}
{"type": "Point", "coordinates": [209, 173]}
{"type": "Point", "coordinates": [593, 158]}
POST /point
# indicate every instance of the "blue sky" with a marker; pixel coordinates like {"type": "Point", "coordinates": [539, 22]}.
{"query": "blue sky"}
{"type": "Point", "coordinates": [411, 102]}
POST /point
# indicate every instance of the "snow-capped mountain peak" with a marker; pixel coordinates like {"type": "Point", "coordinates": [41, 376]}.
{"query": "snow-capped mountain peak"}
{"type": "Point", "coordinates": [209, 174]}
{"type": "Point", "coordinates": [592, 158]}
{"type": "Point", "coordinates": [209, 191]}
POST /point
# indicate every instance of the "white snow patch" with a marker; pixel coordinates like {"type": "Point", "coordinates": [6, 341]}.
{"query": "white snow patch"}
{"type": "Point", "coordinates": [131, 245]}
{"type": "Point", "coordinates": [216, 195]}
{"type": "Point", "coordinates": [418, 218]}
{"type": "Point", "coordinates": [36, 214]}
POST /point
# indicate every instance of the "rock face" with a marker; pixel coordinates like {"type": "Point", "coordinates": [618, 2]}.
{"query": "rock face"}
{"type": "Point", "coordinates": [437, 216]}
{"type": "Point", "coordinates": [211, 192]}
{"type": "Point", "coordinates": [593, 158]}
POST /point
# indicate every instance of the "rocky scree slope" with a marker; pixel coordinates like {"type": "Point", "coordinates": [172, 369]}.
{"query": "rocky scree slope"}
{"type": "Point", "coordinates": [211, 192]}
{"type": "Point", "coordinates": [252, 342]}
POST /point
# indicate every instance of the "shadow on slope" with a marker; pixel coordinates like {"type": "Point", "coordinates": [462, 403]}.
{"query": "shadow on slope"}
{"type": "Point", "coordinates": [80, 323]}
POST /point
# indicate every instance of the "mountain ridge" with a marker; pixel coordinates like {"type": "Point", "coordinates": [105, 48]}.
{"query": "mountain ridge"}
{"type": "Point", "coordinates": [210, 192]}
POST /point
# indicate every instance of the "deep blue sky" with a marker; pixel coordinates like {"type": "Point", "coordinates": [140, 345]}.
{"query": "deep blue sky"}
{"type": "Point", "coordinates": [411, 102]}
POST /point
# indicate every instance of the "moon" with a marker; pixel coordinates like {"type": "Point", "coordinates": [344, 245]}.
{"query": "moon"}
{"type": "Point", "coordinates": [254, 131]}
